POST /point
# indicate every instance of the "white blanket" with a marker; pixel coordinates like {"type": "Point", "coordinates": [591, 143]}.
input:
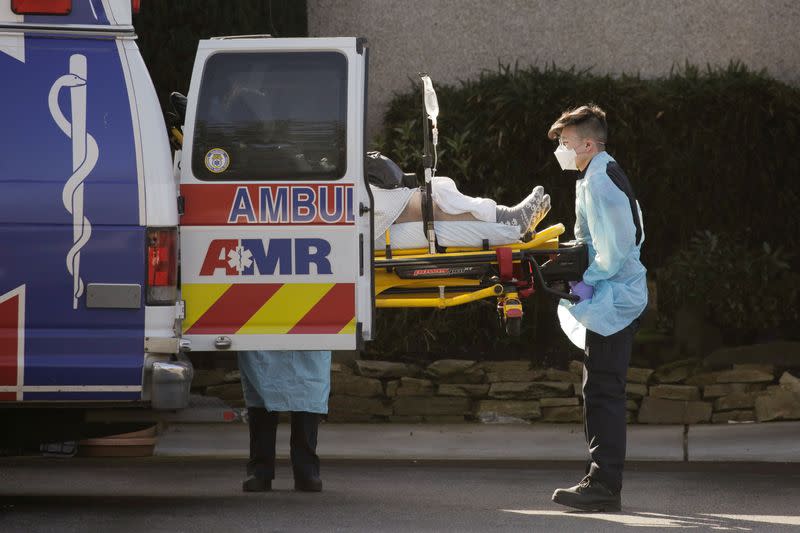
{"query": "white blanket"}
{"type": "Point", "coordinates": [390, 203]}
{"type": "Point", "coordinates": [449, 199]}
{"type": "Point", "coordinates": [448, 233]}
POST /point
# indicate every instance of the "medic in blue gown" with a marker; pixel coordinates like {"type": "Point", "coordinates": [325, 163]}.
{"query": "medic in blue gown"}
{"type": "Point", "coordinates": [295, 381]}
{"type": "Point", "coordinates": [613, 295]}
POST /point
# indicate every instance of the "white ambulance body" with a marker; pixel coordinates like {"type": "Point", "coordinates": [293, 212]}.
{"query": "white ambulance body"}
{"type": "Point", "coordinates": [274, 240]}
{"type": "Point", "coordinates": [275, 233]}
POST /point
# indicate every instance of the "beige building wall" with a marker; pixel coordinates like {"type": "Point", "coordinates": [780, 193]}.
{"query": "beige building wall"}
{"type": "Point", "coordinates": [457, 39]}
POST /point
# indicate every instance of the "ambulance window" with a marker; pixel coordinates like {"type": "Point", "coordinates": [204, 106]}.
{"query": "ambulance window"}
{"type": "Point", "coordinates": [271, 116]}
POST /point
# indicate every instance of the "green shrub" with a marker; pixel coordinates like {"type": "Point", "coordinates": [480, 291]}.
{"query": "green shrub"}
{"type": "Point", "coordinates": [742, 287]}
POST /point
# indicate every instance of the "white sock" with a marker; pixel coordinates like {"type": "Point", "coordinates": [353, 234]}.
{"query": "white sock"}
{"type": "Point", "coordinates": [521, 214]}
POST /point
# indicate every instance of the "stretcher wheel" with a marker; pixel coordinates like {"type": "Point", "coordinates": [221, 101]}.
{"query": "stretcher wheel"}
{"type": "Point", "coordinates": [513, 326]}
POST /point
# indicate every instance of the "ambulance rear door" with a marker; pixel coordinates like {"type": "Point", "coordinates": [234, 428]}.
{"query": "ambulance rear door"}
{"type": "Point", "coordinates": [276, 245]}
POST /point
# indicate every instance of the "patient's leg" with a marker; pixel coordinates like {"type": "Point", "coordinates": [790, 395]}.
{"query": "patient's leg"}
{"type": "Point", "coordinates": [534, 207]}
{"type": "Point", "coordinates": [413, 212]}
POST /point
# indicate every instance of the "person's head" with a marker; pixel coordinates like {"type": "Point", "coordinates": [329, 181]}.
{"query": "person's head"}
{"type": "Point", "coordinates": [581, 131]}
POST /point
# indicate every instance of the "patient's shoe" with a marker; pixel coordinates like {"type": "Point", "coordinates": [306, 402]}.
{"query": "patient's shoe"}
{"type": "Point", "coordinates": [521, 214]}
{"type": "Point", "coordinates": [589, 495]}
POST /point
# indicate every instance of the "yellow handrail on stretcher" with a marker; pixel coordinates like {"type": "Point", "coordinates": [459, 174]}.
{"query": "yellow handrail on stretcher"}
{"type": "Point", "coordinates": [442, 302]}
{"type": "Point", "coordinates": [385, 278]}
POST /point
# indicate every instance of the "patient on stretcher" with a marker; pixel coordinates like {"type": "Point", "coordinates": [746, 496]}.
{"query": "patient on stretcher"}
{"type": "Point", "coordinates": [459, 220]}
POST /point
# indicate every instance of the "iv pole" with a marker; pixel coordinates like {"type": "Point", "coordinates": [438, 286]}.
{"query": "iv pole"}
{"type": "Point", "coordinates": [430, 113]}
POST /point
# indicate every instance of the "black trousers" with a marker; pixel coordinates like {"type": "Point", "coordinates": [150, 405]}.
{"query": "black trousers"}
{"type": "Point", "coordinates": [605, 370]}
{"type": "Point", "coordinates": [263, 426]}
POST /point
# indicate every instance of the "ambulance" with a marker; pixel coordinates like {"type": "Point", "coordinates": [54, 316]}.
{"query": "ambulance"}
{"type": "Point", "coordinates": [275, 242]}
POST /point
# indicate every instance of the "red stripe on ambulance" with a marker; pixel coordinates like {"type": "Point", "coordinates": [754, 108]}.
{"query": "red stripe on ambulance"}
{"type": "Point", "coordinates": [12, 316]}
{"type": "Point", "coordinates": [9, 325]}
{"type": "Point", "coordinates": [332, 313]}
{"type": "Point", "coordinates": [234, 308]}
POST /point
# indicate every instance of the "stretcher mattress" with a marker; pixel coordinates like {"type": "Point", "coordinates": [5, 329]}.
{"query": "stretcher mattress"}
{"type": "Point", "coordinates": [407, 235]}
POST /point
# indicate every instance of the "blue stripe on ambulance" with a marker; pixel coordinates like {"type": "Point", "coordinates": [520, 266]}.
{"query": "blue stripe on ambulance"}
{"type": "Point", "coordinates": [66, 346]}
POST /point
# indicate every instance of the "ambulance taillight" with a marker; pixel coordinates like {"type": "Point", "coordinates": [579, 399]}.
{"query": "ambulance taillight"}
{"type": "Point", "coordinates": [162, 266]}
{"type": "Point", "coordinates": [136, 5]}
{"type": "Point", "coordinates": [41, 7]}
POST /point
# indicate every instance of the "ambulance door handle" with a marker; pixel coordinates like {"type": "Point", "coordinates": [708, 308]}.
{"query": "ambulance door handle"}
{"type": "Point", "coordinates": [222, 342]}
{"type": "Point", "coordinates": [362, 209]}
{"type": "Point", "coordinates": [361, 254]}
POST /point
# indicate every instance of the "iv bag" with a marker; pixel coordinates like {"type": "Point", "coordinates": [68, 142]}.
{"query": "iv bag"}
{"type": "Point", "coordinates": [431, 103]}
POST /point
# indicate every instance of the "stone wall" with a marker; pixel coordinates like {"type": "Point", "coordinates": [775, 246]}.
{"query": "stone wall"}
{"type": "Point", "coordinates": [457, 39]}
{"type": "Point", "coordinates": [747, 384]}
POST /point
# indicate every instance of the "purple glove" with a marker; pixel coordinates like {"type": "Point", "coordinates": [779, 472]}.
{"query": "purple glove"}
{"type": "Point", "coordinates": [581, 290]}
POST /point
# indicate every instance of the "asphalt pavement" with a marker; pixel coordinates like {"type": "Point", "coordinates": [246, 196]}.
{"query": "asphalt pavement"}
{"type": "Point", "coordinates": [196, 495]}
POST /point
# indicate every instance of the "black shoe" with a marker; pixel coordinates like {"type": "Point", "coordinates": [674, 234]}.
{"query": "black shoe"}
{"type": "Point", "coordinates": [313, 484]}
{"type": "Point", "coordinates": [589, 495]}
{"type": "Point", "coordinates": [256, 484]}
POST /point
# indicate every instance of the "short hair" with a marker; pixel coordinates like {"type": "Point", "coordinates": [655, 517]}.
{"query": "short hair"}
{"type": "Point", "coordinates": [589, 119]}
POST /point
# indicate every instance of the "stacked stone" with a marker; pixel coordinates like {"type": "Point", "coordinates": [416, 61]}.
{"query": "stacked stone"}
{"type": "Point", "coordinates": [763, 379]}
{"type": "Point", "coordinates": [452, 390]}
{"type": "Point", "coordinates": [636, 390]}
{"type": "Point", "coordinates": [683, 393]}
{"type": "Point", "coordinates": [671, 399]}
{"type": "Point", "coordinates": [219, 383]}
{"type": "Point", "coordinates": [519, 392]}
{"type": "Point", "coordinates": [730, 385]}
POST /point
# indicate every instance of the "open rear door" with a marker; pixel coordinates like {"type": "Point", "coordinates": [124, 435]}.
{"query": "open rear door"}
{"type": "Point", "coordinates": [276, 248]}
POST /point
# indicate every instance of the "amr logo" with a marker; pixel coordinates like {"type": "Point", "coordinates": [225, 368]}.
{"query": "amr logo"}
{"type": "Point", "coordinates": [250, 257]}
{"type": "Point", "coordinates": [84, 158]}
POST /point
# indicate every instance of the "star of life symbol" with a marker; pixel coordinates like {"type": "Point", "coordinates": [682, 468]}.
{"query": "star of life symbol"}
{"type": "Point", "coordinates": [240, 258]}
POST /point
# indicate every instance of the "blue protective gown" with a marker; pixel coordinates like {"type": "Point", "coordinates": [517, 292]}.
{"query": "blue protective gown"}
{"type": "Point", "coordinates": [605, 222]}
{"type": "Point", "coordinates": [286, 380]}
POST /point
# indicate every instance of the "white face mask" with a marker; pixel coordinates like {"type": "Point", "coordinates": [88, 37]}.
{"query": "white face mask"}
{"type": "Point", "coordinates": [567, 157]}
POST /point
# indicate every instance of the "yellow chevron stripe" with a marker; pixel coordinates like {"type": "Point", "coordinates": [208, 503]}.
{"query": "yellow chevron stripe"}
{"type": "Point", "coordinates": [199, 297]}
{"type": "Point", "coordinates": [350, 328]}
{"type": "Point", "coordinates": [286, 308]}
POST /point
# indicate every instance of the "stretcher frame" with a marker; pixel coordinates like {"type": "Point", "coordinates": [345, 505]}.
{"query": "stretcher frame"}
{"type": "Point", "coordinates": [414, 278]}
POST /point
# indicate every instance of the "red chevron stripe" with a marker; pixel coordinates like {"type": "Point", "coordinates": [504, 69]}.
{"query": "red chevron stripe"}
{"type": "Point", "coordinates": [9, 348]}
{"type": "Point", "coordinates": [234, 308]}
{"type": "Point", "coordinates": [333, 312]}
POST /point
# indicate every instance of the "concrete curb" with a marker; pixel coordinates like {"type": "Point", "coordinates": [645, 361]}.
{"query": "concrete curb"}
{"type": "Point", "coordinates": [770, 442]}
{"type": "Point", "coordinates": [773, 442]}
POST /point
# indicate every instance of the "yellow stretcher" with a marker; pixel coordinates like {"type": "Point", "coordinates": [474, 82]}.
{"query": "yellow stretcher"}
{"type": "Point", "coordinates": [460, 275]}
